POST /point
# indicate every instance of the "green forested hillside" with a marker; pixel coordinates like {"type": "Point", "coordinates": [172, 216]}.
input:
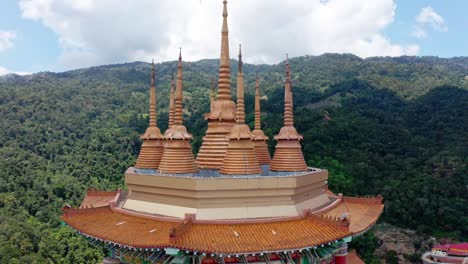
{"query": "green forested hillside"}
{"type": "Point", "coordinates": [398, 127]}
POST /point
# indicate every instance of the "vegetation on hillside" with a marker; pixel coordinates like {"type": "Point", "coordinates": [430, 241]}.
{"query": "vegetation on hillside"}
{"type": "Point", "coordinates": [395, 126]}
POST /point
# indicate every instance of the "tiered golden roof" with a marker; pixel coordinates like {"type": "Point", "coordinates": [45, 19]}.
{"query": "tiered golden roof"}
{"type": "Point", "coordinates": [240, 157]}
{"type": "Point", "coordinates": [152, 147]}
{"type": "Point", "coordinates": [260, 140]}
{"type": "Point", "coordinates": [288, 155]}
{"type": "Point", "coordinates": [177, 156]}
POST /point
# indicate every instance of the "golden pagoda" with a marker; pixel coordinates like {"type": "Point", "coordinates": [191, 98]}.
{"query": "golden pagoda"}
{"type": "Point", "coordinates": [152, 147]}
{"type": "Point", "coordinates": [260, 140]}
{"type": "Point", "coordinates": [240, 158]}
{"type": "Point", "coordinates": [222, 115]}
{"type": "Point", "coordinates": [288, 155]}
{"type": "Point", "coordinates": [230, 205]}
{"type": "Point", "coordinates": [177, 156]}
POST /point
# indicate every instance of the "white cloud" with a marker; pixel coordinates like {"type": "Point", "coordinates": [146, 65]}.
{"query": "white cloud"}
{"type": "Point", "coordinates": [94, 32]}
{"type": "Point", "coordinates": [5, 71]}
{"type": "Point", "coordinates": [6, 39]}
{"type": "Point", "coordinates": [428, 17]}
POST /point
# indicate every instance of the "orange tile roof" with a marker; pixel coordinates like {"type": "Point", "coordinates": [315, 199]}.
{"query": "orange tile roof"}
{"type": "Point", "coordinates": [109, 225]}
{"type": "Point", "coordinates": [124, 228]}
{"type": "Point", "coordinates": [258, 237]}
{"type": "Point", "coordinates": [97, 198]}
{"type": "Point", "coordinates": [363, 212]}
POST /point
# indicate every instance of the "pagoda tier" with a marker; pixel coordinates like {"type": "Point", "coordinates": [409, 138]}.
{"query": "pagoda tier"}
{"type": "Point", "coordinates": [223, 111]}
{"type": "Point", "coordinates": [178, 157]}
{"type": "Point", "coordinates": [152, 148]}
{"type": "Point", "coordinates": [150, 153]}
{"type": "Point", "coordinates": [260, 140]}
{"type": "Point", "coordinates": [288, 156]}
{"type": "Point", "coordinates": [240, 158]}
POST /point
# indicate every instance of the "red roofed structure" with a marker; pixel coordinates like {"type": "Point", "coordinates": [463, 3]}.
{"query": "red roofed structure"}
{"type": "Point", "coordinates": [230, 204]}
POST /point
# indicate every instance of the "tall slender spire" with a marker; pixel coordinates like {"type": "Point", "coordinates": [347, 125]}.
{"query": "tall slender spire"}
{"type": "Point", "coordinates": [240, 114]}
{"type": "Point", "coordinates": [240, 158]}
{"type": "Point", "coordinates": [178, 156]}
{"type": "Point", "coordinates": [153, 115]}
{"type": "Point", "coordinates": [260, 144]}
{"type": "Point", "coordinates": [224, 82]}
{"type": "Point", "coordinates": [152, 147]}
{"type": "Point", "coordinates": [257, 105]}
{"type": "Point", "coordinates": [222, 115]}
{"type": "Point", "coordinates": [288, 155]}
{"type": "Point", "coordinates": [288, 100]}
{"type": "Point", "coordinates": [171, 104]}
{"type": "Point", "coordinates": [178, 116]}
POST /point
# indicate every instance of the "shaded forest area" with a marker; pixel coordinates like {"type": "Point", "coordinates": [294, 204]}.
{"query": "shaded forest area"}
{"type": "Point", "coordinates": [391, 126]}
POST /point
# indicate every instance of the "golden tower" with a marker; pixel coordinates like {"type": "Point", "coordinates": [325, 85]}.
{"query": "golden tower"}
{"type": "Point", "coordinates": [288, 155]}
{"type": "Point", "coordinates": [222, 115]}
{"type": "Point", "coordinates": [177, 156]}
{"type": "Point", "coordinates": [260, 140]}
{"type": "Point", "coordinates": [240, 158]}
{"type": "Point", "coordinates": [153, 141]}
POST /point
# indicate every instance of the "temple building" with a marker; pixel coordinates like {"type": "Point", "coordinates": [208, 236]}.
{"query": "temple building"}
{"type": "Point", "coordinates": [232, 203]}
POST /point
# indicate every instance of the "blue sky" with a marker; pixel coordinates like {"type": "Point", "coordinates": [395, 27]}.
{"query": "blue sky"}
{"type": "Point", "coordinates": [53, 35]}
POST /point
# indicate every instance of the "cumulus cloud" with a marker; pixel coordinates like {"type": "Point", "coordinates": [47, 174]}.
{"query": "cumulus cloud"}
{"type": "Point", "coordinates": [5, 71]}
{"type": "Point", "coordinates": [428, 17]}
{"type": "Point", "coordinates": [94, 32]}
{"type": "Point", "coordinates": [6, 39]}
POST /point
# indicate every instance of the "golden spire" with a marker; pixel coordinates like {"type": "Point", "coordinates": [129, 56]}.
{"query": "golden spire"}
{"type": "Point", "coordinates": [222, 115]}
{"type": "Point", "coordinates": [171, 105]}
{"type": "Point", "coordinates": [288, 155]}
{"type": "Point", "coordinates": [261, 147]}
{"type": "Point", "coordinates": [178, 115]}
{"type": "Point", "coordinates": [152, 147]}
{"type": "Point", "coordinates": [212, 94]}
{"type": "Point", "coordinates": [288, 100]}
{"type": "Point", "coordinates": [257, 105]}
{"type": "Point", "coordinates": [153, 115]}
{"type": "Point", "coordinates": [241, 157]}
{"type": "Point", "coordinates": [240, 114]}
{"type": "Point", "coordinates": [224, 81]}
{"type": "Point", "coordinates": [178, 156]}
